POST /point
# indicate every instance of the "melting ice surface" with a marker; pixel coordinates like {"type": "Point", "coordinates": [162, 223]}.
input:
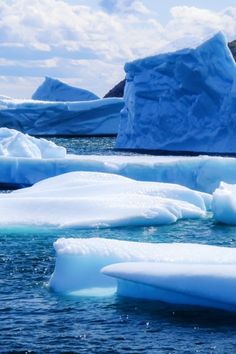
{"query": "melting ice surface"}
{"type": "Point", "coordinates": [182, 101]}
{"type": "Point", "coordinates": [201, 173]}
{"type": "Point", "coordinates": [224, 204]}
{"type": "Point", "coordinates": [55, 90]}
{"type": "Point", "coordinates": [90, 199]}
{"type": "Point", "coordinates": [97, 117]}
{"type": "Point", "coordinates": [178, 273]}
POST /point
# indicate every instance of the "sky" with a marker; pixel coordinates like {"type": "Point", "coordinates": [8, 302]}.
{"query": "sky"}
{"type": "Point", "coordinates": [87, 42]}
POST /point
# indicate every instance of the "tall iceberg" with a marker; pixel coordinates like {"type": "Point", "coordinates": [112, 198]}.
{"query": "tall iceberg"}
{"type": "Point", "coordinates": [182, 101]}
{"type": "Point", "coordinates": [55, 90]}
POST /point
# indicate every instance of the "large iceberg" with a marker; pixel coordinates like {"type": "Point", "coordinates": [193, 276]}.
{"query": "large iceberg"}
{"type": "Point", "coordinates": [91, 200]}
{"type": "Point", "coordinates": [209, 285]}
{"type": "Point", "coordinates": [97, 117]}
{"type": "Point", "coordinates": [55, 90]}
{"type": "Point", "coordinates": [79, 261]}
{"type": "Point", "coordinates": [202, 173]}
{"type": "Point", "coordinates": [182, 101]}
{"type": "Point", "coordinates": [14, 144]}
{"type": "Point", "coordinates": [224, 204]}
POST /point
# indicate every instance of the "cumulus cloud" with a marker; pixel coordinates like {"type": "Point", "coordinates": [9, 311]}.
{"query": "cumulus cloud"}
{"type": "Point", "coordinates": [56, 38]}
{"type": "Point", "coordinates": [200, 23]}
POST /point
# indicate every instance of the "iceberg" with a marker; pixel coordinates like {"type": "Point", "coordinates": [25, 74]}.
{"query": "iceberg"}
{"type": "Point", "coordinates": [224, 204]}
{"type": "Point", "coordinates": [92, 200]}
{"type": "Point", "coordinates": [55, 90]}
{"type": "Point", "coordinates": [41, 118]}
{"type": "Point", "coordinates": [208, 285]}
{"type": "Point", "coordinates": [182, 101]}
{"type": "Point", "coordinates": [15, 144]}
{"type": "Point", "coordinates": [79, 261]}
{"type": "Point", "coordinates": [201, 173]}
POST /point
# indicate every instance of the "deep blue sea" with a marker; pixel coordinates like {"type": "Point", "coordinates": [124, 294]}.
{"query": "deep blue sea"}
{"type": "Point", "coordinates": [33, 319]}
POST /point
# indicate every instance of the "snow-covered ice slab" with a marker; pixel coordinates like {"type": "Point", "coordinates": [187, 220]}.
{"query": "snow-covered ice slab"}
{"type": "Point", "coordinates": [97, 117]}
{"type": "Point", "coordinates": [79, 261]}
{"type": "Point", "coordinates": [18, 145]}
{"type": "Point", "coordinates": [202, 173]}
{"type": "Point", "coordinates": [224, 204]}
{"type": "Point", "coordinates": [182, 101]}
{"type": "Point", "coordinates": [55, 90]}
{"type": "Point", "coordinates": [209, 285]}
{"type": "Point", "coordinates": [90, 199]}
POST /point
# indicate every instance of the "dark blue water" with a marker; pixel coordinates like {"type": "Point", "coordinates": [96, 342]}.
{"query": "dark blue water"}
{"type": "Point", "coordinates": [34, 319]}
{"type": "Point", "coordinates": [90, 146]}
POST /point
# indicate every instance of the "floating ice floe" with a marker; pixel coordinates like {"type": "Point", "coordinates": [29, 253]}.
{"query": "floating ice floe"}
{"type": "Point", "coordinates": [97, 117]}
{"type": "Point", "coordinates": [90, 199]}
{"type": "Point", "coordinates": [15, 144]}
{"type": "Point", "coordinates": [55, 90]}
{"type": "Point", "coordinates": [209, 285]}
{"type": "Point", "coordinates": [182, 101]}
{"type": "Point", "coordinates": [202, 173]}
{"type": "Point", "coordinates": [224, 204]}
{"type": "Point", "coordinates": [178, 273]}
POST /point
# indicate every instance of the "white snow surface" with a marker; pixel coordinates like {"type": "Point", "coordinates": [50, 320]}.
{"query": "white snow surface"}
{"type": "Point", "coordinates": [224, 204]}
{"type": "Point", "coordinates": [90, 199]}
{"type": "Point", "coordinates": [16, 144]}
{"type": "Point", "coordinates": [210, 285]}
{"type": "Point", "coordinates": [96, 117]}
{"type": "Point", "coordinates": [201, 173]}
{"type": "Point", "coordinates": [182, 101]}
{"type": "Point", "coordinates": [56, 90]}
{"type": "Point", "coordinates": [79, 261]}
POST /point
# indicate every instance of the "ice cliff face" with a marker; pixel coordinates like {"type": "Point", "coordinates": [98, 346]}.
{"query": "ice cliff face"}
{"type": "Point", "coordinates": [55, 90]}
{"type": "Point", "coordinates": [182, 101]}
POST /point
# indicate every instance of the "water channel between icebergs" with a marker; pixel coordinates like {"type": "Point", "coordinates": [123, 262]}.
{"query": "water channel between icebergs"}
{"type": "Point", "coordinates": [32, 318]}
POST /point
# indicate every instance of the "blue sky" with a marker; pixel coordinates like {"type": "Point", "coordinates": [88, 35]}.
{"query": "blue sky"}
{"type": "Point", "coordinates": [87, 42]}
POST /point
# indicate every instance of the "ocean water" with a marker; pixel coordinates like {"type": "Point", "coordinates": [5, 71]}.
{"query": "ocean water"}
{"type": "Point", "coordinates": [34, 319]}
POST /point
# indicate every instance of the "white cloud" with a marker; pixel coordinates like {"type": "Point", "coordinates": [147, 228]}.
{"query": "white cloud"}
{"type": "Point", "coordinates": [91, 45]}
{"type": "Point", "coordinates": [200, 23]}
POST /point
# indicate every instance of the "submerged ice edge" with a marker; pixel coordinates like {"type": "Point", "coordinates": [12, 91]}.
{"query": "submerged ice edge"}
{"type": "Point", "coordinates": [208, 285]}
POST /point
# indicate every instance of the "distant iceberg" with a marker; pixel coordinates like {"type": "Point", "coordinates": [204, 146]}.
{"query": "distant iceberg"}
{"type": "Point", "coordinates": [55, 90]}
{"type": "Point", "coordinates": [199, 273]}
{"type": "Point", "coordinates": [183, 101]}
{"type": "Point", "coordinates": [93, 200]}
{"type": "Point", "coordinates": [41, 118]}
